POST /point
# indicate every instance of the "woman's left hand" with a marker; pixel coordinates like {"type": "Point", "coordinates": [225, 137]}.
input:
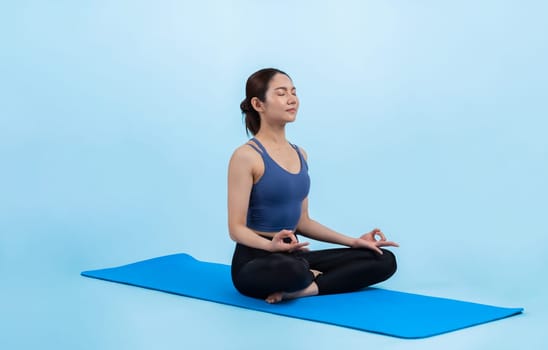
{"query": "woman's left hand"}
{"type": "Point", "coordinates": [373, 240]}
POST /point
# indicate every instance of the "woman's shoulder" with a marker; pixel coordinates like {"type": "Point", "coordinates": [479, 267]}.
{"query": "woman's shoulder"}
{"type": "Point", "coordinates": [302, 151]}
{"type": "Point", "coordinates": [245, 154]}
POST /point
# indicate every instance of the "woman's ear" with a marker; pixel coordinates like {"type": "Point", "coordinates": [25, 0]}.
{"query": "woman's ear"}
{"type": "Point", "coordinates": [257, 104]}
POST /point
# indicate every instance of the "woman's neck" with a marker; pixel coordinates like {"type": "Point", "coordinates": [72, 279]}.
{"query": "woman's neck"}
{"type": "Point", "coordinates": [272, 137]}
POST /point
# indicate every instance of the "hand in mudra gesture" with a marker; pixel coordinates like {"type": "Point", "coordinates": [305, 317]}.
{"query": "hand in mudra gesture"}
{"type": "Point", "coordinates": [373, 240]}
{"type": "Point", "coordinates": [286, 241]}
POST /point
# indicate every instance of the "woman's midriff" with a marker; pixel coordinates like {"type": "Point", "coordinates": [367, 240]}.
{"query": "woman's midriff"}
{"type": "Point", "coordinates": [268, 235]}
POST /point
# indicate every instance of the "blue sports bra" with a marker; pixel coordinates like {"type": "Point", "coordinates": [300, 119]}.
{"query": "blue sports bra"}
{"type": "Point", "coordinates": [276, 199]}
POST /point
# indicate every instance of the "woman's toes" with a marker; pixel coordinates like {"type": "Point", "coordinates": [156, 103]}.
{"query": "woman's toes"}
{"type": "Point", "coordinates": [274, 298]}
{"type": "Point", "coordinates": [316, 273]}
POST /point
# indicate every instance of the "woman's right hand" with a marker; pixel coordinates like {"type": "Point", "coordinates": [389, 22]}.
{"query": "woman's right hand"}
{"type": "Point", "coordinates": [286, 241]}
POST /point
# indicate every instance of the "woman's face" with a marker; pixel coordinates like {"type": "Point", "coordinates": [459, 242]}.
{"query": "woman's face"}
{"type": "Point", "coordinates": [281, 102]}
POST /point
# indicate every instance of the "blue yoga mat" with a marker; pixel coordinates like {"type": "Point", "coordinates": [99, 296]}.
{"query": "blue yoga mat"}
{"type": "Point", "coordinates": [375, 310]}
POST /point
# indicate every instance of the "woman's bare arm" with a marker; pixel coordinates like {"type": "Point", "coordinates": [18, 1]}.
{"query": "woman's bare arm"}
{"type": "Point", "coordinates": [313, 229]}
{"type": "Point", "coordinates": [240, 182]}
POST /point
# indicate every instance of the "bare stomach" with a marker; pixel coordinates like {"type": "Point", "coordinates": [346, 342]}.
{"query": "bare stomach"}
{"type": "Point", "coordinates": [265, 234]}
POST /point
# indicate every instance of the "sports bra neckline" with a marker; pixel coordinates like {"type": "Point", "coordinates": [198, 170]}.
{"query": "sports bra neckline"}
{"type": "Point", "coordinates": [264, 152]}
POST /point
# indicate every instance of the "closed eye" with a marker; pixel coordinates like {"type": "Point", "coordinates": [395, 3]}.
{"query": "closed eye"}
{"type": "Point", "coordinates": [282, 90]}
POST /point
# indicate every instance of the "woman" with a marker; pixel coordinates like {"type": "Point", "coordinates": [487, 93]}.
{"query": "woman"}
{"type": "Point", "coordinates": [268, 187]}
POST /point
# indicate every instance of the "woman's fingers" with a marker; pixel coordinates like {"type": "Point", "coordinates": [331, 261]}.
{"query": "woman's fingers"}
{"type": "Point", "coordinates": [386, 244]}
{"type": "Point", "coordinates": [363, 243]}
{"type": "Point", "coordinates": [286, 236]}
{"type": "Point", "coordinates": [298, 246]}
{"type": "Point", "coordinates": [375, 248]}
{"type": "Point", "coordinates": [286, 233]}
{"type": "Point", "coordinates": [375, 235]}
{"type": "Point", "coordinates": [378, 233]}
{"type": "Point", "coordinates": [291, 247]}
{"type": "Point", "coordinates": [286, 241]}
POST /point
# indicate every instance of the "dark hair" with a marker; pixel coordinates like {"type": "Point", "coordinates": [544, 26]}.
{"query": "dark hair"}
{"type": "Point", "coordinates": [256, 86]}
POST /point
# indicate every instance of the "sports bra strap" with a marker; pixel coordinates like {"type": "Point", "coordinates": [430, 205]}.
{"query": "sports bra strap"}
{"type": "Point", "coordinates": [254, 147]}
{"type": "Point", "coordinates": [262, 150]}
{"type": "Point", "coordinates": [298, 151]}
{"type": "Point", "coordinates": [259, 144]}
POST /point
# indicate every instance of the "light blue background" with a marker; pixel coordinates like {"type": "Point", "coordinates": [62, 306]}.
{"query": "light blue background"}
{"type": "Point", "coordinates": [117, 120]}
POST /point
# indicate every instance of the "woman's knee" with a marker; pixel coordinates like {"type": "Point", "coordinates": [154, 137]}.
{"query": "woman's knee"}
{"type": "Point", "coordinates": [389, 263]}
{"type": "Point", "coordinates": [290, 266]}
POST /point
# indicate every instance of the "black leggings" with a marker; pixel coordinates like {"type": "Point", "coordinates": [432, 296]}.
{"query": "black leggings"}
{"type": "Point", "coordinates": [258, 273]}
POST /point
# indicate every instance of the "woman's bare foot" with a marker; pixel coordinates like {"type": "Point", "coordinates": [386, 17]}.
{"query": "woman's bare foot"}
{"type": "Point", "coordinates": [275, 298]}
{"type": "Point", "coordinates": [316, 273]}
{"type": "Point", "coordinates": [312, 289]}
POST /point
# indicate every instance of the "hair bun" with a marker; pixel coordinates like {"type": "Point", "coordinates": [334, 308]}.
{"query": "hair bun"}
{"type": "Point", "coordinates": [245, 106]}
